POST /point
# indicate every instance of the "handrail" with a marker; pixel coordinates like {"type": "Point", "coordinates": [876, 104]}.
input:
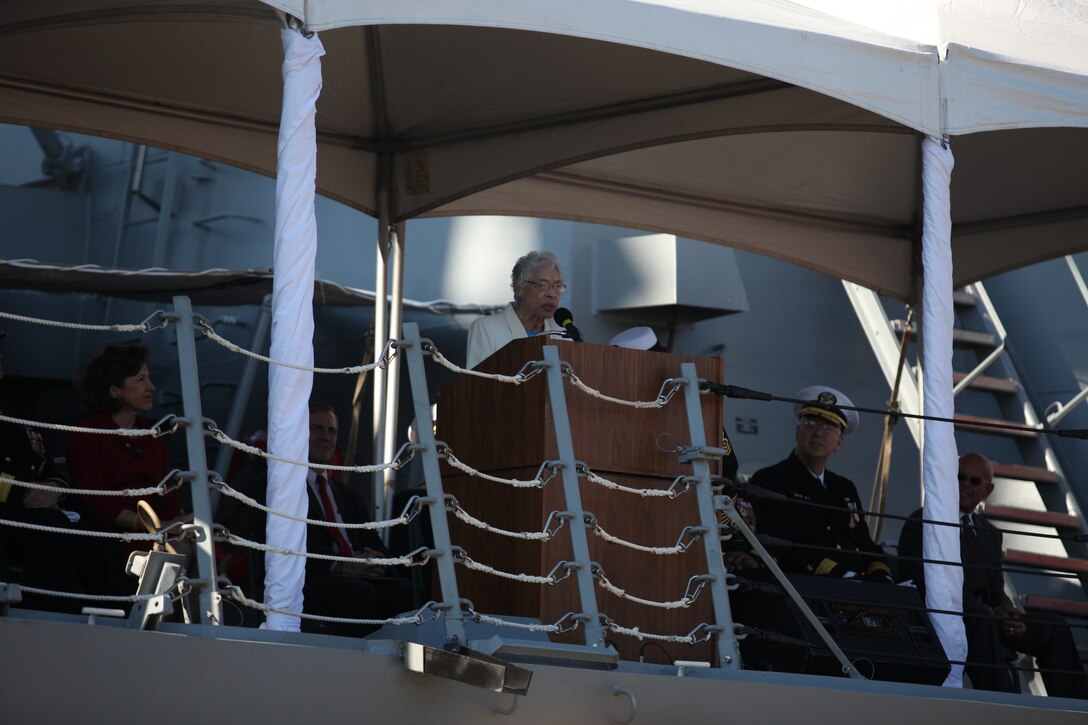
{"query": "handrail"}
{"type": "Point", "coordinates": [1065, 409]}
{"type": "Point", "coordinates": [999, 329]}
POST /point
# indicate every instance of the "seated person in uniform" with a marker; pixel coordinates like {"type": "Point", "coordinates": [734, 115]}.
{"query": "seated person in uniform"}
{"type": "Point", "coordinates": [841, 544]}
{"type": "Point", "coordinates": [834, 541]}
{"type": "Point", "coordinates": [33, 558]}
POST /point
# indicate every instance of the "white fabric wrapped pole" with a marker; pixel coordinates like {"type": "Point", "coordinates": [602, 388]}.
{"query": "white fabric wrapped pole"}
{"type": "Point", "coordinates": [944, 584]}
{"type": "Point", "coordinates": [292, 324]}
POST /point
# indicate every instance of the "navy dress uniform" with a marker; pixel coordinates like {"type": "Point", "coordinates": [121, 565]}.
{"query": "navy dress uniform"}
{"type": "Point", "coordinates": [31, 557]}
{"type": "Point", "coordinates": [831, 539]}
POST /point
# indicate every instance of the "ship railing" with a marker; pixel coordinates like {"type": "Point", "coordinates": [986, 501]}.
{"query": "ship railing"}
{"type": "Point", "coordinates": [714, 498]}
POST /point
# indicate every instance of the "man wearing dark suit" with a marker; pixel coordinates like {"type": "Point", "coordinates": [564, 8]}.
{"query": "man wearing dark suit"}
{"type": "Point", "coordinates": [350, 590]}
{"type": "Point", "coordinates": [344, 589]}
{"type": "Point", "coordinates": [993, 624]}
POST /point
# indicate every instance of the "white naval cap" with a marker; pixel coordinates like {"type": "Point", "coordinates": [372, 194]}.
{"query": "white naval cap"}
{"type": "Point", "coordinates": [823, 402]}
{"type": "Point", "coordinates": [635, 338]}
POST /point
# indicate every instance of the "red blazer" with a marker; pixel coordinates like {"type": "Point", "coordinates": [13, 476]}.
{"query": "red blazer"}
{"type": "Point", "coordinates": [115, 462]}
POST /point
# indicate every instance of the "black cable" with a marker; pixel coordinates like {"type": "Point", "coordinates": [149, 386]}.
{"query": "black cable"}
{"type": "Point", "coordinates": [737, 392]}
{"type": "Point", "coordinates": [747, 585]}
{"type": "Point", "coordinates": [779, 543]}
{"type": "Point", "coordinates": [642, 651]}
{"type": "Point", "coordinates": [771, 636]}
{"type": "Point", "coordinates": [751, 491]}
{"type": "Point", "coordinates": [853, 652]}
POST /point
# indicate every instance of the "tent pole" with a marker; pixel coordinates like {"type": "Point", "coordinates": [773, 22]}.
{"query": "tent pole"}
{"type": "Point", "coordinates": [381, 334]}
{"type": "Point", "coordinates": [944, 582]}
{"type": "Point", "coordinates": [243, 392]}
{"type": "Point", "coordinates": [392, 379]}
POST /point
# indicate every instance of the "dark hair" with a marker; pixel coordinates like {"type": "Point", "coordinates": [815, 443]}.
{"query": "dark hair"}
{"type": "Point", "coordinates": [108, 368]}
{"type": "Point", "coordinates": [320, 406]}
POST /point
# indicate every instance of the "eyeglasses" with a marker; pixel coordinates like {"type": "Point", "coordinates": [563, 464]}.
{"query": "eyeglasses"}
{"type": "Point", "coordinates": [547, 287]}
{"type": "Point", "coordinates": [973, 480]}
{"type": "Point", "coordinates": [820, 426]}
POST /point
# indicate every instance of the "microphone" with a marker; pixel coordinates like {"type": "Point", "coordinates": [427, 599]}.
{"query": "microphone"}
{"type": "Point", "coordinates": [565, 319]}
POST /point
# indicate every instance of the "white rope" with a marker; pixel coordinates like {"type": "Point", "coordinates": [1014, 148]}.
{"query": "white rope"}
{"type": "Point", "coordinates": [640, 635]}
{"type": "Point", "coordinates": [236, 594]}
{"type": "Point", "coordinates": [518, 379]}
{"type": "Point", "coordinates": [528, 578]}
{"type": "Point", "coordinates": [353, 370]}
{"type": "Point", "coordinates": [659, 550]}
{"type": "Point", "coordinates": [225, 488]}
{"type": "Point", "coordinates": [126, 432]}
{"type": "Point", "coordinates": [133, 536]}
{"type": "Point", "coordinates": [516, 483]}
{"type": "Point", "coordinates": [142, 327]}
{"type": "Point", "coordinates": [254, 451]}
{"type": "Point", "coordinates": [622, 594]}
{"type": "Point", "coordinates": [487, 619]}
{"type": "Point", "coordinates": [391, 561]}
{"type": "Point", "coordinates": [662, 397]}
{"type": "Point", "coordinates": [473, 521]}
{"type": "Point", "coordinates": [127, 492]}
{"type": "Point", "coordinates": [89, 597]}
{"type": "Point", "coordinates": [645, 492]}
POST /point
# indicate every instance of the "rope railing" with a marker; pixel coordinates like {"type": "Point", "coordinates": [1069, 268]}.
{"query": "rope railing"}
{"type": "Point", "coordinates": [663, 396]}
{"type": "Point", "coordinates": [142, 327]}
{"type": "Point", "coordinates": [528, 371]}
{"type": "Point", "coordinates": [236, 594]}
{"type": "Point", "coordinates": [221, 534]}
{"type": "Point", "coordinates": [539, 481]}
{"type": "Point", "coordinates": [125, 536]}
{"type": "Point", "coordinates": [678, 548]}
{"type": "Point", "coordinates": [556, 627]}
{"type": "Point", "coordinates": [160, 489]}
{"type": "Point", "coordinates": [555, 522]}
{"type": "Point", "coordinates": [211, 429]}
{"type": "Point", "coordinates": [679, 486]}
{"type": "Point", "coordinates": [638, 634]}
{"type": "Point", "coordinates": [157, 430]}
{"type": "Point", "coordinates": [411, 509]}
{"type": "Point", "coordinates": [383, 360]}
{"type": "Point", "coordinates": [119, 598]}
{"type": "Point", "coordinates": [460, 556]}
{"type": "Point", "coordinates": [695, 585]}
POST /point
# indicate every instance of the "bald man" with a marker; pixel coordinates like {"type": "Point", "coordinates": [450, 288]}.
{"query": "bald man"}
{"type": "Point", "coordinates": [993, 623]}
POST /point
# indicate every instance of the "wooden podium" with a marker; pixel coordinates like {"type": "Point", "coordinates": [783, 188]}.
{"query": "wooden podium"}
{"type": "Point", "coordinates": [508, 431]}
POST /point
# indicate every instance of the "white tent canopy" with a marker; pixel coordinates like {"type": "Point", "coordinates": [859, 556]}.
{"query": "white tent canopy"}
{"type": "Point", "coordinates": [788, 128]}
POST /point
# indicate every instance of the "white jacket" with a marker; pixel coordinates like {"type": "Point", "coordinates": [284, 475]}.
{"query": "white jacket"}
{"type": "Point", "coordinates": [491, 332]}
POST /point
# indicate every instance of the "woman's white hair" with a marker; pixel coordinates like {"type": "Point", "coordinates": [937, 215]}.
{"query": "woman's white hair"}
{"type": "Point", "coordinates": [527, 266]}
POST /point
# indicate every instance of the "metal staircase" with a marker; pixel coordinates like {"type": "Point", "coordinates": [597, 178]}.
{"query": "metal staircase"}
{"type": "Point", "coordinates": [1032, 493]}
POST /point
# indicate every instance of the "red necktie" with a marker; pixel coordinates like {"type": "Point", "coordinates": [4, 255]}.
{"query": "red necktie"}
{"type": "Point", "coordinates": [330, 516]}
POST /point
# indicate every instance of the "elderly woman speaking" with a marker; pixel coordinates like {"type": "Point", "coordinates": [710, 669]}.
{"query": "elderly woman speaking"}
{"type": "Point", "coordinates": [537, 282]}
